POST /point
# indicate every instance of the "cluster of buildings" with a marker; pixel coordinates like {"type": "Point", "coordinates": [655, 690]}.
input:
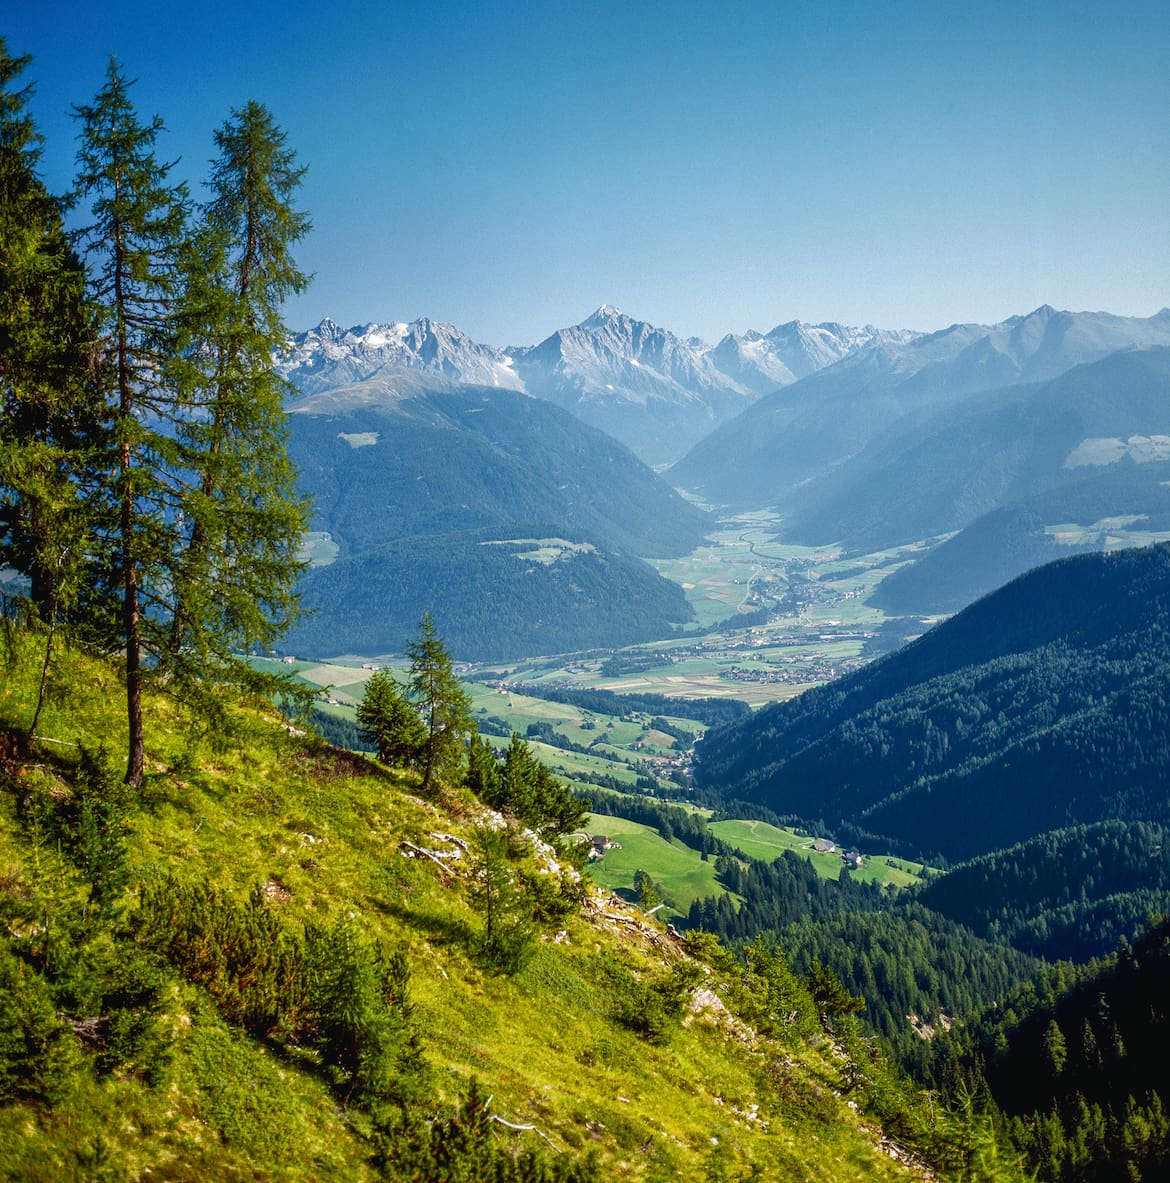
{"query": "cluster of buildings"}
{"type": "Point", "coordinates": [851, 858]}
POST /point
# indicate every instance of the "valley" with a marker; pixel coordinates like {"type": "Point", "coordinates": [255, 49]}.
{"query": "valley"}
{"type": "Point", "coordinates": [650, 749]}
{"type": "Point", "coordinates": [808, 614]}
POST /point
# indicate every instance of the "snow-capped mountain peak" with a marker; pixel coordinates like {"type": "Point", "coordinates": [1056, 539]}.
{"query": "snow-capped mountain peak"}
{"type": "Point", "coordinates": [656, 392]}
{"type": "Point", "coordinates": [604, 313]}
{"type": "Point", "coordinates": [328, 356]}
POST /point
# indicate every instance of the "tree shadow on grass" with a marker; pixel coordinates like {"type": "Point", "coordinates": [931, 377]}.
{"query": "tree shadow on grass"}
{"type": "Point", "coordinates": [439, 926]}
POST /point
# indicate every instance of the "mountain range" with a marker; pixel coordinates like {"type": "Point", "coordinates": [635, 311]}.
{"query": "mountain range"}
{"type": "Point", "coordinates": [1009, 444]}
{"type": "Point", "coordinates": [797, 441]}
{"type": "Point", "coordinates": [938, 473]}
{"type": "Point", "coordinates": [1004, 446]}
{"type": "Point", "coordinates": [654, 391]}
{"type": "Point", "coordinates": [520, 529]}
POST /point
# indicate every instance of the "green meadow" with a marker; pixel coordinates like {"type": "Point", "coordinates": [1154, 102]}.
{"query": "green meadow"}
{"type": "Point", "coordinates": [681, 875]}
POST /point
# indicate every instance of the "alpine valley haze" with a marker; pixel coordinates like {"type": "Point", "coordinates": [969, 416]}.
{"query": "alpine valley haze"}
{"type": "Point", "coordinates": [621, 756]}
{"type": "Point", "coordinates": [425, 453]}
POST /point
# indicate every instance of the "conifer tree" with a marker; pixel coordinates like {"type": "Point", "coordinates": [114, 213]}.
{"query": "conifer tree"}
{"type": "Point", "coordinates": [50, 421]}
{"type": "Point", "coordinates": [43, 332]}
{"type": "Point", "coordinates": [445, 707]}
{"type": "Point", "coordinates": [135, 248]}
{"type": "Point", "coordinates": [483, 774]}
{"type": "Point", "coordinates": [388, 721]}
{"type": "Point", "coordinates": [244, 520]}
{"type": "Point", "coordinates": [204, 526]}
{"type": "Point", "coordinates": [508, 933]}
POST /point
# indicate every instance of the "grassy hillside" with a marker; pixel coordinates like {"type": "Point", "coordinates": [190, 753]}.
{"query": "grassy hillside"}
{"type": "Point", "coordinates": [240, 974]}
{"type": "Point", "coordinates": [759, 840]}
{"type": "Point", "coordinates": [677, 871]}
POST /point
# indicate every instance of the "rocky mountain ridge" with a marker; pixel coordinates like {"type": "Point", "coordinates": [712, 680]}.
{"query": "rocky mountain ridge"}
{"type": "Point", "coordinates": [655, 391]}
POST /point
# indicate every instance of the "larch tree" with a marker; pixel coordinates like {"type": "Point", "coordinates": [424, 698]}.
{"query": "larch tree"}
{"type": "Point", "coordinates": [135, 246]}
{"type": "Point", "coordinates": [205, 525]}
{"type": "Point", "coordinates": [244, 521]}
{"type": "Point", "coordinates": [443, 703]}
{"type": "Point", "coordinates": [51, 426]}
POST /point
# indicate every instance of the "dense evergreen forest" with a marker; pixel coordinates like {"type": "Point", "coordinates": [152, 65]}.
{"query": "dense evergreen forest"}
{"type": "Point", "coordinates": [481, 458]}
{"type": "Point", "coordinates": [965, 1012]}
{"type": "Point", "coordinates": [900, 958]}
{"type": "Point", "coordinates": [1076, 1062]}
{"type": "Point", "coordinates": [998, 546]}
{"type": "Point", "coordinates": [1071, 894]}
{"type": "Point", "coordinates": [1041, 706]}
{"type": "Point", "coordinates": [426, 497]}
{"type": "Point", "coordinates": [491, 600]}
{"type": "Point", "coordinates": [916, 971]}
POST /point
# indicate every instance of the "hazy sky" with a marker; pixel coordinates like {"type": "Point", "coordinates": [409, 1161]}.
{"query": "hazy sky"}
{"type": "Point", "coordinates": [710, 167]}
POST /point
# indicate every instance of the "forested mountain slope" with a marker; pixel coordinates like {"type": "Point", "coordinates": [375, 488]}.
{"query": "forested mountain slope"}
{"type": "Point", "coordinates": [994, 449]}
{"type": "Point", "coordinates": [1071, 894]}
{"type": "Point", "coordinates": [1077, 1063]}
{"type": "Point", "coordinates": [1084, 514]}
{"type": "Point", "coordinates": [433, 499]}
{"type": "Point", "coordinates": [380, 468]}
{"type": "Point", "coordinates": [1045, 704]}
{"type": "Point", "coordinates": [534, 591]}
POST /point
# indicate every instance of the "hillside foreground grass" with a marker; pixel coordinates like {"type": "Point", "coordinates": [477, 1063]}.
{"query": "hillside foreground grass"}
{"type": "Point", "coordinates": [135, 1044]}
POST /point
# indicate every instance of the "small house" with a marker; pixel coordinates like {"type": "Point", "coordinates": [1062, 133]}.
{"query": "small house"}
{"type": "Point", "coordinates": [599, 844]}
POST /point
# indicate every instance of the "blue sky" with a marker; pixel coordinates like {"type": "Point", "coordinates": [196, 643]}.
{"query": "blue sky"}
{"type": "Point", "coordinates": [709, 167]}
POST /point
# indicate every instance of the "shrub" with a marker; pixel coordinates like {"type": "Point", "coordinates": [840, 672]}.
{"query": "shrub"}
{"type": "Point", "coordinates": [651, 1009]}
{"type": "Point", "coordinates": [38, 1051]}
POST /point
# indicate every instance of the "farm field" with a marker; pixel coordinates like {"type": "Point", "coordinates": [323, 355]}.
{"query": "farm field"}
{"type": "Point", "coordinates": [818, 625]}
{"type": "Point", "coordinates": [318, 548]}
{"type": "Point", "coordinates": [1109, 533]}
{"type": "Point", "coordinates": [680, 873]}
{"type": "Point", "coordinates": [759, 840]}
{"type": "Point", "coordinates": [817, 628]}
{"type": "Point", "coordinates": [683, 876]}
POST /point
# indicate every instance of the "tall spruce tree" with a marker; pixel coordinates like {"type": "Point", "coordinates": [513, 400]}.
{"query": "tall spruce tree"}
{"type": "Point", "coordinates": [135, 249]}
{"type": "Point", "coordinates": [445, 707]}
{"type": "Point", "coordinates": [244, 520]}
